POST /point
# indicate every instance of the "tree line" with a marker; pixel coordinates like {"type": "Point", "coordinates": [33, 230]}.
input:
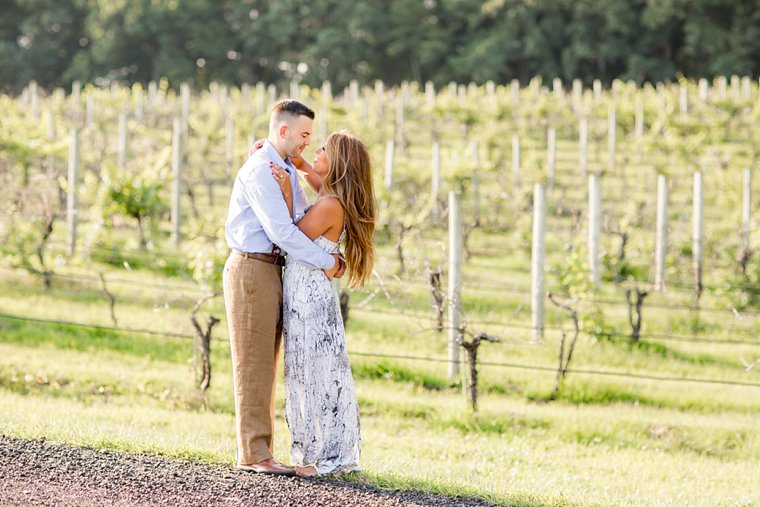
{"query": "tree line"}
{"type": "Point", "coordinates": [199, 41]}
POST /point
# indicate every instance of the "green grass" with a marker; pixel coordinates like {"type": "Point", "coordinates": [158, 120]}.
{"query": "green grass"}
{"type": "Point", "coordinates": [68, 384]}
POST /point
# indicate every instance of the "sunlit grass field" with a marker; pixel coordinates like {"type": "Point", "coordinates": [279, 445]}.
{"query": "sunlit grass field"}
{"type": "Point", "coordinates": [606, 441]}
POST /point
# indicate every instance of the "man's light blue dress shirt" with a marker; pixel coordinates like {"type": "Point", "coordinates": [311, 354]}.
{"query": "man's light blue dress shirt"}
{"type": "Point", "coordinates": [258, 215]}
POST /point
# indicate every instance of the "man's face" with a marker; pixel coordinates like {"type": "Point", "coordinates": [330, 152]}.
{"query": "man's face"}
{"type": "Point", "coordinates": [297, 135]}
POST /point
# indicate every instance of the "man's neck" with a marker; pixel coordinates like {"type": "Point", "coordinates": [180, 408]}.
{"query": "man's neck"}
{"type": "Point", "coordinates": [280, 151]}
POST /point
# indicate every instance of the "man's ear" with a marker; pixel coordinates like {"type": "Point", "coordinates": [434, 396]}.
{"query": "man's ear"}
{"type": "Point", "coordinates": [283, 130]}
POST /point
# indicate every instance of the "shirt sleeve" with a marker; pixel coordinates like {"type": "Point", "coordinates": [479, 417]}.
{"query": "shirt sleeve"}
{"type": "Point", "coordinates": [265, 198]}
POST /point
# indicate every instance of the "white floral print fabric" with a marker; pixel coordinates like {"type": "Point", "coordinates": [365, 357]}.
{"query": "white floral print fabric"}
{"type": "Point", "coordinates": [320, 404]}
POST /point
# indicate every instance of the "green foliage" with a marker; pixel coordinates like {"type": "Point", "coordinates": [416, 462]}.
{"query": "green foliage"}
{"type": "Point", "coordinates": [574, 279]}
{"type": "Point", "coordinates": [136, 196]}
{"type": "Point", "coordinates": [201, 41]}
{"type": "Point", "coordinates": [573, 276]}
{"type": "Point", "coordinates": [743, 289]}
{"type": "Point", "coordinates": [616, 270]}
{"type": "Point", "coordinates": [206, 254]}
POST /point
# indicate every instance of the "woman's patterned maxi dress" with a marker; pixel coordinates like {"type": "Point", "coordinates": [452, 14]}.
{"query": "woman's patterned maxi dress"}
{"type": "Point", "coordinates": [321, 406]}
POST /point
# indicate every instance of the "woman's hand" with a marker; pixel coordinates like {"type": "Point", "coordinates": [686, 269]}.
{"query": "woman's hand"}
{"type": "Point", "coordinates": [282, 178]}
{"type": "Point", "coordinates": [299, 161]}
{"type": "Point", "coordinates": [256, 146]}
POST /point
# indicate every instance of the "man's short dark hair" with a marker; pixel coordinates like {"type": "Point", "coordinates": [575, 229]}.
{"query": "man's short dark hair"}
{"type": "Point", "coordinates": [291, 108]}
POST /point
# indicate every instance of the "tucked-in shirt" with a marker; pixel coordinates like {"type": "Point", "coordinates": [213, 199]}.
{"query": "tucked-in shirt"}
{"type": "Point", "coordinates": [258, 215]}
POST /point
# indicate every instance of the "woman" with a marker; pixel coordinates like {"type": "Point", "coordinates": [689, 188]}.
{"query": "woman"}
{"type": "Point", "coordinates": [321, 406]}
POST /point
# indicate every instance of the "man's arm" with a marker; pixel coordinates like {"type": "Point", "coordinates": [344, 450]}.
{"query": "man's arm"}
{"type": "Point", "coordinates": [265, 198]}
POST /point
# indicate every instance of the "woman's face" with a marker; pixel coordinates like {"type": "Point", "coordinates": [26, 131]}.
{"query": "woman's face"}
{"type": "Point", "coordinates": [320, 164]}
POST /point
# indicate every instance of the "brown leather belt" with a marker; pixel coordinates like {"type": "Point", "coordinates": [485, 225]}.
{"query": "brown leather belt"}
{"type": "Point", "coordinates": [270, 258]}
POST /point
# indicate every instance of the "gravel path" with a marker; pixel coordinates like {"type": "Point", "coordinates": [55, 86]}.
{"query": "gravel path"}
{"type": "Point", "coordinates": [34, 472]}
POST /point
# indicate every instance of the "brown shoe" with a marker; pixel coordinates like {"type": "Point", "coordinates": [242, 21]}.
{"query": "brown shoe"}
{"type": "Point", "coordinates": [268, 466]}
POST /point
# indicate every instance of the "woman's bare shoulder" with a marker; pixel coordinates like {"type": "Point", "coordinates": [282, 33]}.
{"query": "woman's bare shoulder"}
{"type": "Point", "coordinates": [329, 203]}
{"type": "Point", "coordinates": [330, 206]}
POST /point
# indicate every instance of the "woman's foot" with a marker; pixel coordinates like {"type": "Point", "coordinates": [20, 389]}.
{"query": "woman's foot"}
{"type": "Point", "coordinates": [307, 472]}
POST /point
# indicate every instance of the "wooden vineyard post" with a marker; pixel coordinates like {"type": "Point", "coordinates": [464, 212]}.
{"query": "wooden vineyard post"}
{"type": "Point", "coordinates": [557, 88]}
{"type": "Point", "coordinates": [436, 180]}
{"type": "Point", "coordinates": [229, 144]}
{"type": "Point", "coordinates": [611, 137]}
{"type": "Point", "coordinates": [430, 94]}
{"type": "Point", "coordinates": [516, 162]}
{"type": "Point", "coordinates": [455, 284]}
{"type": "Point", "coordinates": [476, 182]}
{"type": "Point", "coordinates": [35, 99]}
{"type": "Point", "coordinates": [51, 135]}
{"type": "Point", "coordinates": [515, 87]}
{"type": "Point", "coordinates": [746, 208]}
{"type": "Point", "coordinates": [76, 106]}
{"type": "Point", "coordinates": [583, 147]}
{"type": "Point", "coordinates": [697, 228]}
{"type": "Point", "coordinates": [551, 157]}
{"type": "Point", "coordinates": [71, 196]}
{"type": "Point", "coordinates": [400, 122]}
{"type": "Point", "coordinates": [121, 159]}
{"type": "Point", "coordinates": [537, 274]}
{"type": "Point", "coordinates": [702, 89]}
{"type": "Point", "coordinates": [594, 223]}
{"type": "Point", "coordinates": [389, 154]}
{"type": "Point", "coordinates": [662, 232]}
{"type": "Point", "coordinates": [177, 180]}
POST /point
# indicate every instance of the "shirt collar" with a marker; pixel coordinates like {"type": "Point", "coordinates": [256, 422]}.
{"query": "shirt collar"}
{"type": "Point", "coordinates": [276, 158]}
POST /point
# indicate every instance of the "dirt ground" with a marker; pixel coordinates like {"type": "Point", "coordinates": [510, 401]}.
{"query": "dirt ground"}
{"type": "Point", "coordinates": [34, 472]}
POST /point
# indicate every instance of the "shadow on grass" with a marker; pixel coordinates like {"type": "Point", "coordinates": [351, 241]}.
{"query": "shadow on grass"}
{"type": "Point", "coordinates": [386, 371]}
{"type": "Point", "coordinates": [84, 339]}
{"type": "Point", "coordinates": [597, 395]}
{"type": "Point", "coordinates": [665, 352]}
{"type": "Point", "coordinates": [499, 426]}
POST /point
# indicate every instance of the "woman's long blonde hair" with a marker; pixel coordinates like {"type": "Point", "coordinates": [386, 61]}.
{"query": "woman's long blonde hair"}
{"type": "Point", "coordinates": [349, 176]}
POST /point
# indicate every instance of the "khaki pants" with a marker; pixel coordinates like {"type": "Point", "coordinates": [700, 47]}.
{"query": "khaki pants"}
{"type": "Point", "coordinates": [253, 298]}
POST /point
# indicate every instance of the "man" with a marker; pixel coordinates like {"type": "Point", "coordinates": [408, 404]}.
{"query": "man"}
{"type": "Point", "coordinates": [259, 229]}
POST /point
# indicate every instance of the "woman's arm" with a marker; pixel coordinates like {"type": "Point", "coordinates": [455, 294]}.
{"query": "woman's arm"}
{"type": "Point", "coordinates": [324, 216]}
{"type": "Point", "coordinates": [312, 178]}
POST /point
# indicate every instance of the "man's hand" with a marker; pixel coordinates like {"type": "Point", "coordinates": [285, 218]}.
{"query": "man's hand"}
{"type": "Point", "coordinates": [330, 273]}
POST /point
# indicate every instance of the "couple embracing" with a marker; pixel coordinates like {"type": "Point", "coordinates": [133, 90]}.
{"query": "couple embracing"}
{"type": "Point", "coordinates": [269, 216]}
